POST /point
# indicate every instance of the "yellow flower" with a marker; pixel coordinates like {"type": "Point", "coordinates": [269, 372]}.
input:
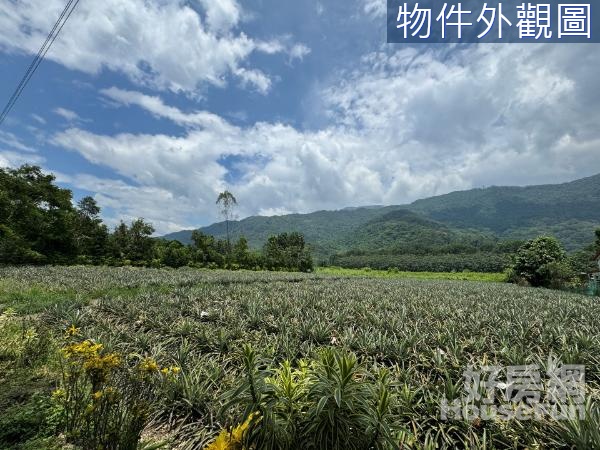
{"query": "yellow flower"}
{"type": "Point", "coordinates": [148, 365]}
{"type": "Point", "coordinates": [233, 440]}
{"type": "Point", "coordinates": [83, 350]}
{"type": "Point", "coordinates": [105, 363]}
{"type": "Point", "coordinates": [72, 331]}
{"type": "Point", "coordinates": [97, 395]}
{"type": "Point", "coordinates": [222, 442]}
{"type": "Point", "coordinates": [239, 432]}
{"type": "Point", "coordinates": [170, 373]}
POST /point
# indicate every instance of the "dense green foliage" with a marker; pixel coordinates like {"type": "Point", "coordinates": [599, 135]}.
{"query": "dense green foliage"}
{"type": "Point", "coordinates": [40, 225]}
{"type": "Point", "coordinates": [539, 261]}
{"type": "Point", "coordinates": [543, 262]}
{"type": "Point", "coordinates": [394, 273]}
{"type": "Point", "coordinates": [347, 360]}
{"type": "Point", "coordinates": [38, 222]}
{"type": "Point", "coordinates": [475, 218]}
{"type": "Point", "coordinates": [284, 251]}
{"type": "Point", "coordinates": [475, 262]}
{"type": "Point", "coordinates": [403, 231]}
{"type": "Point", "coordinates": [569, 211]}
{"type": "Point", "coordinates": [287, 250]}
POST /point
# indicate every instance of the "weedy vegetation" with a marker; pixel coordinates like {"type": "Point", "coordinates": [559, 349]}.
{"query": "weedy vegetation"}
{"type": "Point", "coordinates": [126, 358]}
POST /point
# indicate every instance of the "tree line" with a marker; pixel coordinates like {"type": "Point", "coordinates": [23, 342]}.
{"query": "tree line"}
{"type": "Point", "coordinates": [39, 224]}
{"type": "Point", "coordinates": [433, 262]}
{"type": "Point", "coordinates": [539, 262]}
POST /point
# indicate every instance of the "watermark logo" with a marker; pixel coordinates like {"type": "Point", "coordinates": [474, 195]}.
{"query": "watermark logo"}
{"type": "Point", "coordinates": [519, 392]}
{"type": "Point", "coordinates": [473, 21]}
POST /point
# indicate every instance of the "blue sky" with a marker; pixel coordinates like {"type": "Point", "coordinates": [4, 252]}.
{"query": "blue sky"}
{"type": "Point", "coordinates": [155, 106]}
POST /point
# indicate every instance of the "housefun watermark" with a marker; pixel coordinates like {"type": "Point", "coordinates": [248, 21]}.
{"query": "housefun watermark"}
{"type": "Point", "coordinates": [519, 393]}
{"type": "Point", "coordinates": [474, 21]}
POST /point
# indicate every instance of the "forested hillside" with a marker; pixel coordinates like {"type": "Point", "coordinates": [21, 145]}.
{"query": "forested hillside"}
{"type": "Point", "coordinates": [401, 231]}
{"type": "Point", "coordinates": [326, 231]}
{"type": "Point", "coordinates": [569, 211]}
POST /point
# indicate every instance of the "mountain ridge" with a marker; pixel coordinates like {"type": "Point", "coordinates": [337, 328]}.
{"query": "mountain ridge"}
{"type": "Point", "coordinates": [569, 211]}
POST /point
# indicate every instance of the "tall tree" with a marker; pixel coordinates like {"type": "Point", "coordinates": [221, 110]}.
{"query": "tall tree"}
{"type": "Point", "coordinates": [227, 203]}
{"type": "Point", "coordinates": [174, 253]}
{"type": "Point", "coordinates": [141, 248]}
{"type": "Point", "coordinates": [119, 241]}
{"type": "Point", "coordinates": [133, 242]}
{"type": "Point", "coordinates": [203, 248]}
{"type": "Point", "coordinates": [91, 235]}
{"type": "Point", "coordinates": [287, 251]}
{"type": "Point", "coordinates": [241, 253]}
{"type": "Point", "coordinates": [36, 216]}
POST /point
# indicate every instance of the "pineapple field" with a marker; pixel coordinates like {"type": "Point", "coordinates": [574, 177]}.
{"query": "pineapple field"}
{"type": "Point", "coordinates": [126, 358]}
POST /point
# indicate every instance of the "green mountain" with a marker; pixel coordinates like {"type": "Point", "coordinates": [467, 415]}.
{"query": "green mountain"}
{"type": "Point", "coordinates": [569, 211]}
{"type": "Point", "coordinates": [326, 231]}
{"type": "Point", "coordinates": [402, 230]}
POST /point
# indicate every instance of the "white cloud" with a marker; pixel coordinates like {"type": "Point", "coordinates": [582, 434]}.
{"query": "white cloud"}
{"type": "Point", "coordinates": [168, 212]}
{"type": "Point", "coordinates": [270, 47]}
{"type": "Point", "coordinates": [374, 8]}
{"type": "Point", "coordinates": [161, 44]}
{"type": "Point", "coordinates": [13, 159]}
{"type": "Point", "coordinates": [67, 114]}
{"type": "Point", "coordinates": [299, 51]}
{"type": "Point", "coordinates": [464, 109]}
{"type": "Point", "coordinates": [221, 15]}
{"type": "Point", "coordinates": [11, 141]}
{"type": "Point", "coordinates": [283, 169]}
{"type": "Point", "coordinates": [38, 119]}
{"type": "Point", "coordinates": [274, 212]}
{"type": "Point", "coordinates": [157, 107]}
{"type": "Point", "coordinates": [403, 125]}
{"type": "Point", "coordinates": [255, 78]}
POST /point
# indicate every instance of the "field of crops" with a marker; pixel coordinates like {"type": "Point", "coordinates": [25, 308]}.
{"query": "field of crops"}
{"type": "Point", "coordinates": [498, 277]}
{"type": "Point", "coordinates": [277, 360]}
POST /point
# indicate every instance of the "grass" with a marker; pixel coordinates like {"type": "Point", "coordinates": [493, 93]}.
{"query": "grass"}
{"type": "Point", "coordinates": [306, 350]}
{"type": "Point", "coordinates": [34, 298]}
{"type": "Point", "coordinates": [367, 272]}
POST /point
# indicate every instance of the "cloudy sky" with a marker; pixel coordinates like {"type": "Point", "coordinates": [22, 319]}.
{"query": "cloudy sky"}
{"type": "Point", "coordinates": [155, 106]}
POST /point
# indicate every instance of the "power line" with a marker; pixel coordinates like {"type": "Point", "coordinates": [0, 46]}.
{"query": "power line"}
{"type": "Point", "coordinates": [37, 60]}
{"type": "Point", "coordinates": [37, 57]}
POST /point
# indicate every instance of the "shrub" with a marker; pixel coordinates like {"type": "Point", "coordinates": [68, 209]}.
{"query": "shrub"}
{"type": "Point", "coordinates": [558, 274]}
{"type": "Point", "coordinates": [542, 262]}
{"type": "Point", "coordinates": [331, 402]}
{"type": "Point", "coordinates": [175, 254]}
{"type": "Point", "coordinates": [287, 252]}
{"type": "Point", "coordinates": [107, 400]}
